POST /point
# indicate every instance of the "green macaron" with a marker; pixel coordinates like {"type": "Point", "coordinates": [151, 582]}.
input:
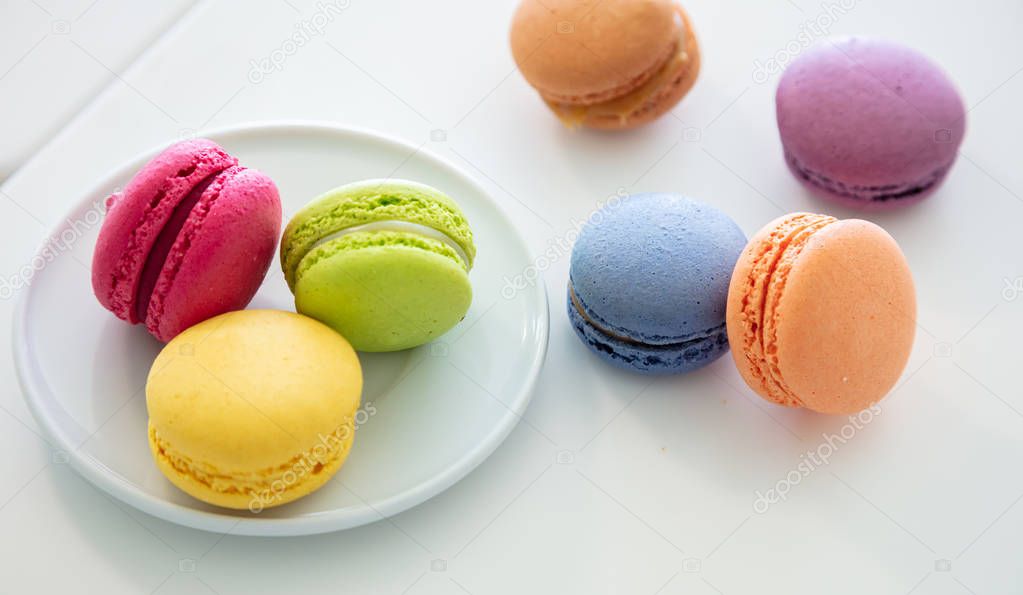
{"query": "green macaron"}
{"type": "Point", "coordinates": [384, 262]}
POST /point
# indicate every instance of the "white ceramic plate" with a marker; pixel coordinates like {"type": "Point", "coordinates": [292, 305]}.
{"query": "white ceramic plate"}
{"type": "Point", "coordinates": [430, 414]}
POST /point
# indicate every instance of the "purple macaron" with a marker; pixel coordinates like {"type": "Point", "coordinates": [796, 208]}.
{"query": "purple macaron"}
{"type": "Point", "coordinates": [870, 123]}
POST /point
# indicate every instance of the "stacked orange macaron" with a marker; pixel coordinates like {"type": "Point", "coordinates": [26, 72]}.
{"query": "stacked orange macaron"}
{"type": "Point", "coordinates": [609, 64]}
{"type": "Point", "coordinates": [821, 313]}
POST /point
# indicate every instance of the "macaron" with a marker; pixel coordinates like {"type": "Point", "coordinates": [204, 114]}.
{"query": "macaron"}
{"type": "Point", "coordinates": [821, 313]}
{"type": "Point", "coordinates": [384, 262]}
{"type": "Point", "coordinates": [870, 123]}
{"type": "Point", "coordinates": [607, 64]}
{"type": "Point", "coordinates": [191, 236]}
{"type": "Point", "coordinates": [648, 282]}
{"type": "Point", "coordinates": [254, 408]}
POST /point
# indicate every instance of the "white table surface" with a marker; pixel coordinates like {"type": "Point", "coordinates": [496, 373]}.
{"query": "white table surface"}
{"type": "Point", "coordinates": [56, 55]}
{"type": "Point", "coordinates": [617, 483]}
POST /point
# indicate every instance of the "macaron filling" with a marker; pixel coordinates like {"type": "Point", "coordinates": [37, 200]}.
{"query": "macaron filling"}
{"type": "Point", "coordinates": [672, 344]}
{"type": "Point", "coordinates": [402, 227]}
{"type": "Point", "coordinates": [349, 243]}
{"type": "Point", "coordinates": [159, 210]}
{"type": "Point", "coordinates": [370, 202]}
{"type": "Point", "coordinates": [765, 287]}
{"type": "Point", "coordinates": [875, 193]}
{"type": "Point", "coordinates": [639, 96]}
{"type": "Point", "coordinates": [165, 240]}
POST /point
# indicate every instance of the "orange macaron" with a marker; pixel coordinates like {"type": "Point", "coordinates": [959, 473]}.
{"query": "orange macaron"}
{"type": "Point", "coordinates": [608, 64]}
{"type": "Point", "coordinates": [821, 313]}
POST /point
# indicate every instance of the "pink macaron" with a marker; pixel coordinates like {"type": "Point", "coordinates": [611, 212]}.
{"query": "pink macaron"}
{"type": "Point", "coordinates": [191, 236]}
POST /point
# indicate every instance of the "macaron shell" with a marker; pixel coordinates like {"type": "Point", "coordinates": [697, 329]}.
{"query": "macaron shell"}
{"type": "Point", "coordinates": [240, 399]}
{"type": "Point", "coordinates": [221, 255]}
{"type": "Point", "coordinates": [868, 117]}
{"type": "Point", "coordinates": [847, 318]}
{"type": "Point", "coordinates": [683, 81]}
{"type": "Point", "coordinates": [225, 374]}
{"type": "Point", "coordinates": [647, 247]}
{"type": "Point", "coordinates": [386, 297]}
{"type": "Point", "coordinates": [136, 216]}
{"type": "Point", "coordinates": [586, 51]}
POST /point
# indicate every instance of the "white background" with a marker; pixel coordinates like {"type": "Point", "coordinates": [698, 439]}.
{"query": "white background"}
{"type": "Point", "coordinates": [654, 486]}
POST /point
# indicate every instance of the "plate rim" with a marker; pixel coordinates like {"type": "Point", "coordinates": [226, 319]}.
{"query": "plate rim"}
{"type": "Point", "coordinates": [34, 388]}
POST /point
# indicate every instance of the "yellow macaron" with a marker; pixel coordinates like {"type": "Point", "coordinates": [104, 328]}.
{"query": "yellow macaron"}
{"type": "Point", "coordinates": [253, 409]}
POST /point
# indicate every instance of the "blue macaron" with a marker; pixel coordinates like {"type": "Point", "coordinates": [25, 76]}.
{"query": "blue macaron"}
{"type": "Point", "coordinates": [648, 283]}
